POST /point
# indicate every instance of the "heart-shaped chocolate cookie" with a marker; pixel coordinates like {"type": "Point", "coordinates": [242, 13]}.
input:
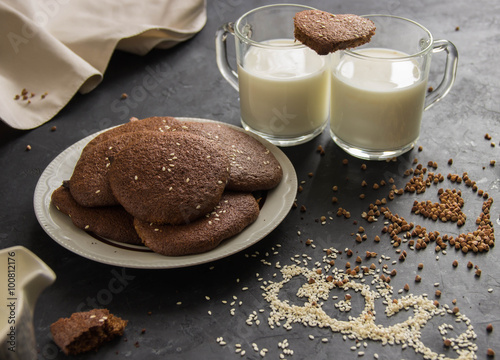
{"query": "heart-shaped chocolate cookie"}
{"type": "Point", "coordinates": [325, 33]}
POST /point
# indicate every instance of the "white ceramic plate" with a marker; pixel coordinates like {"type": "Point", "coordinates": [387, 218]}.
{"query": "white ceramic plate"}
{"type": "Point", "coordinates": [60, 228]}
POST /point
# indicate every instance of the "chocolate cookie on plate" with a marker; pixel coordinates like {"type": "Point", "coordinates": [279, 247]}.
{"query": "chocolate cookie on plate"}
{"type": "Point", "coordinates": [253, 166]}
{"type": "Point", "coordinates": [234, 213]}
{"type": "Point", "coordinates": [110, 222]}
{"type": "Point", "coordinates": [172, 177]}
{"type": "Point", "coordinates": [154, 123]}
{"type": "Point", "coordinates": [89, 181]}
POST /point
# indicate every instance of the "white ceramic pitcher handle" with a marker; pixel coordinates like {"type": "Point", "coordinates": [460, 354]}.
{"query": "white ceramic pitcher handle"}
{"type": "Point", "coordinates": [24, 276]}
{"type": "Point", "coordinates": [221, 54]}
{"type": "Point", "coordinates": [450, 72]}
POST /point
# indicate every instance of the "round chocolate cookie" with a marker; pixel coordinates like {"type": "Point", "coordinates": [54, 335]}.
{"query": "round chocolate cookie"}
{"type": "Point", "coordinates": [172, 177]}
{"type": "Point", "coordinates": [89, 181]}
{"type": "Point", "coordinates": [155, 123]}
{"type": "Point", "coordinates": [110, 222]}
{"type": "Point", "coordinates": [253, 166]}
{"type": "Point", "coordinates": [233, 214]}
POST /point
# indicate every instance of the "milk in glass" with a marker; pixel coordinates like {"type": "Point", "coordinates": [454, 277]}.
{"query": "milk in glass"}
{"type": "Point", "coordinates": [377, 105]}
{"type": "Point", "coordinates": [283, 91]}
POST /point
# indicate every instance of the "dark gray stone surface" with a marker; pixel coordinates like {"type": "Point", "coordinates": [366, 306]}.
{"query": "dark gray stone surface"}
{"type": "Point", "coordinates": [189, 85]}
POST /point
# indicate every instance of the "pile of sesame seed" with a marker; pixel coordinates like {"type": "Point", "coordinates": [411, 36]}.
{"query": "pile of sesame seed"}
{"type": "Point", "coordinates": [318, 282]}
{"type": "Point", "coordinates": [318, 279]}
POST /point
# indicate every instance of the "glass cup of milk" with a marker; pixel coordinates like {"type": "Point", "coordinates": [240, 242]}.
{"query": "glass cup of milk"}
{"type": "Point", "coordinates": [379, 90]}
{"type": "Point", "coordinates": [283, 85]}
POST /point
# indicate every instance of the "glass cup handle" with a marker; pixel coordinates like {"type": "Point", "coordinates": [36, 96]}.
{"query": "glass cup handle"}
{"type": "Point", "coordinates": [221, 54]}
{"type": "Point", "coordinates": [450, 72]}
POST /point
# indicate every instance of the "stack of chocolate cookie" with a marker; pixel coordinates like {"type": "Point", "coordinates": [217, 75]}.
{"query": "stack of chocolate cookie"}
{"type": "Point", "coordinates": [178, 187]}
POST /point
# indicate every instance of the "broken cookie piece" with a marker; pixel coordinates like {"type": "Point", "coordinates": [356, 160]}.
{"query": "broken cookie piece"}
{"type": "Point", "coordinates": [85, 331]}
{"type": "Point", "coordinates": [326, 33]}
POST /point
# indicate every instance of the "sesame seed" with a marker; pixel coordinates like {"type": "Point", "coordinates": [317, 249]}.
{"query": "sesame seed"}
{"type": "Point", "coordinates": [364, 327]}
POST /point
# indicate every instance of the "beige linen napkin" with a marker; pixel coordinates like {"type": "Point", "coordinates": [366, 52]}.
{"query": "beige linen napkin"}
{"type": "Point", "coordinates": [50, 49]}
